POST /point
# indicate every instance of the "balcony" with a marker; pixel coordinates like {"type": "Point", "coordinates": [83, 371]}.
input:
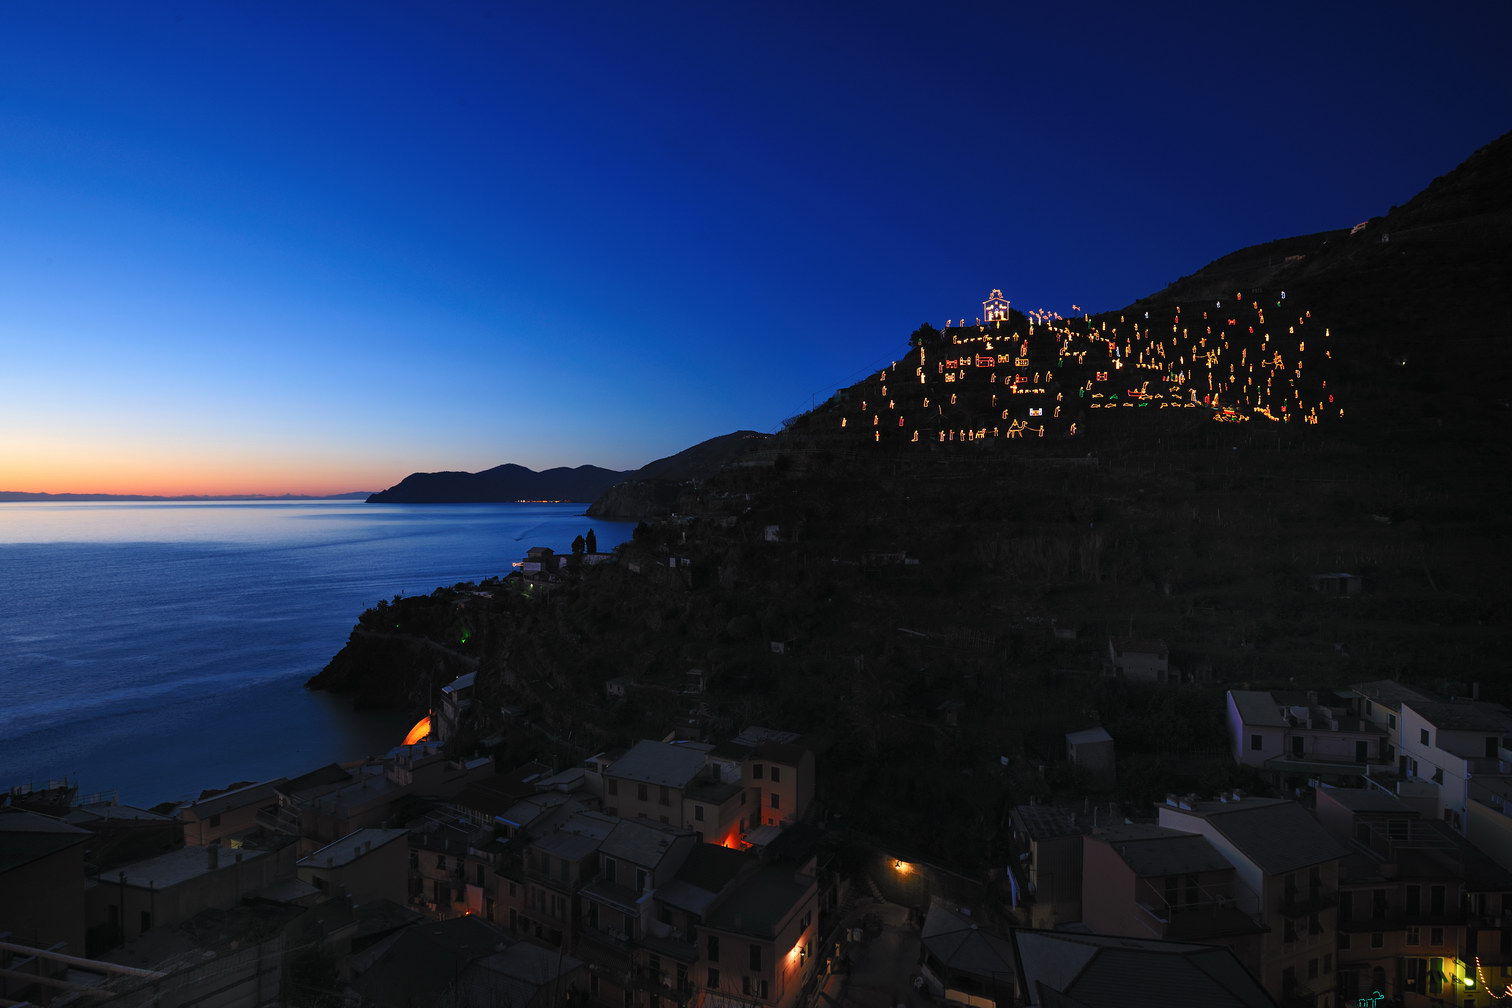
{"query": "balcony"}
{"type": "Point", "coordinates": [1301, 903]}
{"type": "Point", "coordinates": [1202, 911]}
{"type": "Point", "coordinates": [660, 984]}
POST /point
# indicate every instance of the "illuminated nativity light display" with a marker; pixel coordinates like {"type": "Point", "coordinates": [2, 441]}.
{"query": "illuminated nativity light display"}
{"type": "Point", "coordinates": [1256, 356]}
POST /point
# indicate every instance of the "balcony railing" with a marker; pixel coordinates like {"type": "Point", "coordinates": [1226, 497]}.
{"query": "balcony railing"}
{"type": "Point", "coordinates": [1310, 901]}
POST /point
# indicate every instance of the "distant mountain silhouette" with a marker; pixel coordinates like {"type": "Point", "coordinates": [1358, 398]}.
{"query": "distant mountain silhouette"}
{"type": "Point", "coordinates": [503, 483]}
{"type": "Point", "coordinates": [25, 495]}
{"type": "Point", "coordinates": [585, 483]}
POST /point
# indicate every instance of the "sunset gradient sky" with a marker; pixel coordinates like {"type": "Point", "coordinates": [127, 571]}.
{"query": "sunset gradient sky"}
{"type": "Point", "coordinates": [292, 247]}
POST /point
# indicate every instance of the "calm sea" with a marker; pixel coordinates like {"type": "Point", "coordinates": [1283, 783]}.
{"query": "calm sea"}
{"type": "Point", "coordinates": [156, 649]}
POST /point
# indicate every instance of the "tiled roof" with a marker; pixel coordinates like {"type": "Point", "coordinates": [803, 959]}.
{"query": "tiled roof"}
{"type": "Point", "coordinates": [28, 836]}
{"type": "Point", "coordinates": [1043, 822]}
{"type": "Point", "coordinates": [1153, 851]}
{"type": "Point", "coordinates": [1278, 836]}
{"type": "Point", "coordinates": [959, 943]}
{"type": "Point", "coordinates": [1098, 971]}
{"type": "Point", "coordinates": [1390, 693]}
{"type": "Point", "coordinates": [1465, 715]}
{"type": "Point", "coordinates": [1258, 708]}
{"type": "Point", "coordinates": [1088, 735]}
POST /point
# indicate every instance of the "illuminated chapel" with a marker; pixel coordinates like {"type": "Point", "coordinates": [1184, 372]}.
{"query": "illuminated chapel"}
{"type": "Point", "coordinates": [995, 307]}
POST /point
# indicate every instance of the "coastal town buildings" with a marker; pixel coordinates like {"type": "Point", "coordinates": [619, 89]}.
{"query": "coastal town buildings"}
{"type": "Point", "coordinates": [1287, 867]}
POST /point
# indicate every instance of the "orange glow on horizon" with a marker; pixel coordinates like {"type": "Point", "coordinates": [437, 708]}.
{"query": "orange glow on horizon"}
{"type": "Point", "coordinates": [420, 732]}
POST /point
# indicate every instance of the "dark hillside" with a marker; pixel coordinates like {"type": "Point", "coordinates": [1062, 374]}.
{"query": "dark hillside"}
{"type": "Point", "coordinates": [926, 571]}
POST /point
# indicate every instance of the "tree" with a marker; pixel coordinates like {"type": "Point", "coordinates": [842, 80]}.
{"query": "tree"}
{"type": "Point", "coordinates": [926, 334]}
{"type": "Point", "coordinates": [577, 546]}
{"type": "Point", "coordinates": [592, 542]}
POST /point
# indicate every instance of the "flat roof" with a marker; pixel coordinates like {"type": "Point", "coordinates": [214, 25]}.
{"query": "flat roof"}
{"type": "Point", "coordinates": [167, 870]}
{"type": "Point", "coordinates": [663, 763]}
{"type": "Point", "coordinates": [350, 847]}
{"type": "Point", "coordinates": [759, 903]}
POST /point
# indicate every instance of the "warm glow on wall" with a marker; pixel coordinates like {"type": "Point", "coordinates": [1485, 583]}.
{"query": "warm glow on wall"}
{"type": "Point", "coordinates": [420, 732]}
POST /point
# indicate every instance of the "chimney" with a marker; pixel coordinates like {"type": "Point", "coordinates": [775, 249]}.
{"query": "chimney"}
{"type": "Point", "coordinates": [213, 852]}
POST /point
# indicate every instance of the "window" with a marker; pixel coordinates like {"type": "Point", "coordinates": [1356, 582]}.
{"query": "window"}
{"type": "Point", "coordinates": [712, 950]}
{"type": "Point", "coordinates": [441, 861]}
{"type": "Point", "coordinates": [1414, 900]}
{"type": "Point", "coordinates": [1438, 775]}
{"type": "Point", "coordinates": [776, 775]}
{"type": "Point", "coordinates": [641, 879]}
{"type": "Point", "coordinates": [1312, 969]}
{"type": "Point", "coordinates": [609, 867]}
{"type": "Point", "coordinates": [1288, 931]}
{"type": "Point", "coordinates": [713, 978]}
{"type": "Point", "coordinates": [320, 882]}
{"type": "Point", "coordinates": [1436, 900]}
{"type": "Point", "coordinates": [756, 958]}
{"type": "Point", "coordinates": [756, 771]}
{"type": "Point", "coordinates": [146, 920]}
{"type": "Point", "coordinates": [776, 800]}
{"type": "Point", "coordinates": [664, 796]}
{"type": "Point", "coordinates": [1256, 742]}
{"type": "Point", "coordinates": [1377, 940]}
{"type": "Point", "coordinates": [698, 812]}
{"type": "Point", "coordinates": [1412, 936]}
{"type": "Point", "coordinates": [1343, 941]}
{"type": "Point", "coordinates": [1328, 962]}
{"type": "Point", "coordinates": [1391, 720]}
{"type": "Point", "coordinates": [215, 820]}
{"type": "Point", "coordinates": [1423, 736]}
{"type": "Point", "coordinates": [613, 787]}
{"type": "Point", "coordinates": [1435, 936]}
{"type": "Point", "coordinates": [640, 792]}
{"type": "Point", "coordinates": [1435, 975]}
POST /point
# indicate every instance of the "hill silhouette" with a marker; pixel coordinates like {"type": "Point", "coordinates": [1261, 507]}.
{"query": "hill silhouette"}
{"type": "Point", "coordinates": [939, 611]}
{"type": "Point", "coordinates": [585, 483]}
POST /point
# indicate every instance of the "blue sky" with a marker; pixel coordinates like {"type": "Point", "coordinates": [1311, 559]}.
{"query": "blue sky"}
{"type": "Point", "coordinates": [270, 247]}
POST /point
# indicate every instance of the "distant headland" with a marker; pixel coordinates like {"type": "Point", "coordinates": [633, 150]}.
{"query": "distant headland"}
{"type": "Point", "coordinates": [23, 495]}
{"type": "Point", "coordinates": [586, 483]}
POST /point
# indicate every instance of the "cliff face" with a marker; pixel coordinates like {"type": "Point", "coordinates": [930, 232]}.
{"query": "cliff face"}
{"type": "Point", "coordinates": [636, 500]}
